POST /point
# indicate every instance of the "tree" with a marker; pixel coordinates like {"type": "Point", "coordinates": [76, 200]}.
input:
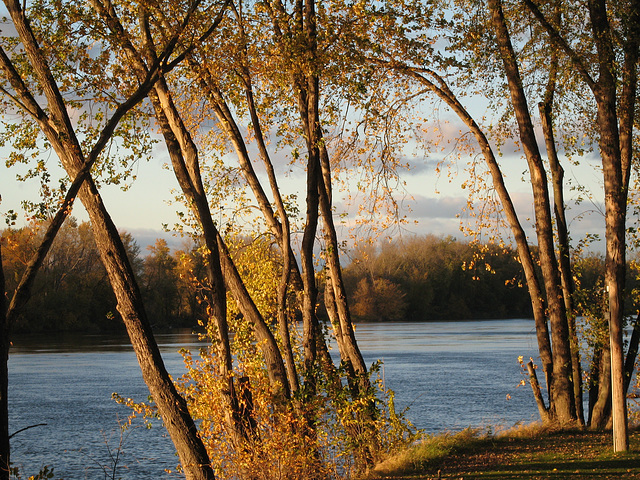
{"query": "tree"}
{"type": "Point", "coordinates": [159, 283]}
{"type": "Point", "coordinates": [432, 278]}
{"type": "Point", "coordinates": [511, 54]}
{"type": "Point", "coordinates": [10, 310]}
{"type": "Point", "coordinates": [615, 36]}
{"type": "Point", "coordinates": [57, 126]}
{"type": "Point", "coordinates": [221, 76]}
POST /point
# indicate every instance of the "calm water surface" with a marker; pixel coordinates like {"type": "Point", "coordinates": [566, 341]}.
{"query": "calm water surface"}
{"type": "Point", "coordinates": [450, 375]}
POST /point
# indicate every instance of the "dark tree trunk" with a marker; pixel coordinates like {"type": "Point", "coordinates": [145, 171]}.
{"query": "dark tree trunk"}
{"type": "Point", "coordinates": [600, 390]}
{"type": "Point", "coordinates": [632, 354]}
{"type": "Point", "coordinates": [5, 449]}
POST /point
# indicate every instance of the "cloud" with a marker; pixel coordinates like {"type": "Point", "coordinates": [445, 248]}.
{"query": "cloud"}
{"type": "Point", "coordinates": [436, 207]}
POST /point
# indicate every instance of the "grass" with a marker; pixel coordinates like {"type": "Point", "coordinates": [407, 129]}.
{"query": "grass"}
{"type": "Point", "coordinates": [524, 453]}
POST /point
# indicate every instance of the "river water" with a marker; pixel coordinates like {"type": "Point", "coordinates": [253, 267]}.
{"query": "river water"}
{"type": "Point", "coordinates": [450, 375]}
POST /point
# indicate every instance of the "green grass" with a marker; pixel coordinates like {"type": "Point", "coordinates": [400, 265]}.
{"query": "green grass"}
{"type": "Point", "coordinates": [525, 453]}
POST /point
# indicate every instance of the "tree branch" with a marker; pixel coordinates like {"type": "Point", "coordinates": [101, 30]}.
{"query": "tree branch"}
{"type": "Point", "coordinates": [561, 42]}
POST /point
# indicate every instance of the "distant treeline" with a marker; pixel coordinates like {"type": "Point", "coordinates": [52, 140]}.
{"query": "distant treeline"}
{"type": "Point", "coordinates": [417, 279]}
{"type": "Point", "coordinates": [435, 278]}
{"type": "Point", "coordinates": [72, 291]}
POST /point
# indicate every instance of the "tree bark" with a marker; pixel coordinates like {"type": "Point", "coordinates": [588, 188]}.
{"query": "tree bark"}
{"type": "Point", "coordinates": [171, 406]}
{"type": "Point", "coordinates": [561, 389]}
{"type": "Point", "coordinates": [537, 394]}
{"type": "Point", "coordinates": [557, 175]}
{"type": "Point", "coordinates": [601, 408]}
{"type": "Point", "coordinates": [335, 281]}
{"type": "Point", "coordinates": [441, 89]}
{"type": "Point", "coordinates": [615, 214]}
{"type": "Point", "coordinates": [5, 448]}
{"type": "Point", "coordinates": [280, 230]}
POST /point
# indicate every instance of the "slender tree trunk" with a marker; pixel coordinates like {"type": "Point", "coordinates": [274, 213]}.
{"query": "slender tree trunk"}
{"type": "Point", "coordinates": [171, 406]}
{"type": "Point", "coordinates": [537, 394]}
{"type": "Point", "coordinates": [600, 409]}
{"type": "Point", "coordinates": [566, 277]}
{"type": "Point", "coordinates": [308, 272]}
{"type": "Point", "coordinates": [440, 88]}
{"type": "Point", "coordinates": [5, 448]}
{"type": "Point", "coordinates": [561, 390]}
{"type": "Point", "coordinates": [335, 281]}
{"type": "Point", "coordinates": [339, 296]}
{"type": "Point", "coordinates": [281, 230]}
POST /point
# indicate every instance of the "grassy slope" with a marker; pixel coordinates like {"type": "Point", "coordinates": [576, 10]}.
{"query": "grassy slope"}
{"type": "Point", "coordinates": [523, 454]}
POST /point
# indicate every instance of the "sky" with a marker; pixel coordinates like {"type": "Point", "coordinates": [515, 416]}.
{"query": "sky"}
{"type": "Point", "coordinates": [432, 202]}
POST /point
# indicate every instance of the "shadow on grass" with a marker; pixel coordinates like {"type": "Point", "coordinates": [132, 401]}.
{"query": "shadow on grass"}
{"type": "Point", "coordinates": [530, 455]}
{"type": "Point", "coordinates": [591, 469]}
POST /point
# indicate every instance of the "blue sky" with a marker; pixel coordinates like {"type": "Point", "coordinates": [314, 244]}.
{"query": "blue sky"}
{"type": "Point", "coordinates": [432, 202]}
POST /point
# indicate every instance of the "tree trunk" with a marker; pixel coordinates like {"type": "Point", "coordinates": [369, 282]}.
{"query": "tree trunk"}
{"type": "Point", "coordinates": [537, 394]}
{"type": "Point", "coordinates": [561, 389]}
{"type": "Point", "coordinates": [566, 277]}
{"type": "Point", "coordinates": [632, 354]}
{"type": "Point", "coordinates": [280, 230]}
{"type": "Point", "coordinates": [335, 281]}
{"type": "Point", "coordinates": [600, 410]}
{"type": "Point", "coordinates": [5, 448]}
{"type": "Point", "coordinates": [616, 149]}
{"type": "Point", "coordinates": [441, 89]}
{"type": "Point", "coordinates": [615, 216]}
{"type": "Point", "coordinates": [171, 406]}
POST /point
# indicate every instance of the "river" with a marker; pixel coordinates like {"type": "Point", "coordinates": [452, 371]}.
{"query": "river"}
{"type": "Point", "coordinates": [450, 375]}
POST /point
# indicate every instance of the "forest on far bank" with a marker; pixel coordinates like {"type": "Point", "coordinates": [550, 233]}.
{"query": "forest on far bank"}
{"type": "Point", "coordinates": [424, 278]}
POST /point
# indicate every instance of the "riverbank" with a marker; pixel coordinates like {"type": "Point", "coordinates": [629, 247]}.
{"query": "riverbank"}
{"type": "Point", "coordinates": [526, 453]}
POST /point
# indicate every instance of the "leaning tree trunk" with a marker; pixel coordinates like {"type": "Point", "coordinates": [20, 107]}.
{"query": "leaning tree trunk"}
{"type": "Point", "coordinates": [600, 389]}
{"type": "Point", "coordinates": [442, 90]}
{"type": "Point", "coordinates": [564, 260]}
{"type": "Point", "coordinates": [56, 125]}
{"type": "Point", "coordinates": [561, 389]}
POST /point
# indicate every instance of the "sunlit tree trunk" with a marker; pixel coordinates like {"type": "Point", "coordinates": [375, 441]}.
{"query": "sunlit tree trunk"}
{"type": "Point", "coordinates": [615, 121]}
{"type": "Point", "coordinates": [566, 277]}
{"type": "Point", "coordinates": [280, 229]}
{"type": "Point", "coordinates": [348, 346]}
{"type": "Point", "coordinates": [171, 405]}
{"type": "Point", "coordinates": [561, 388]}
